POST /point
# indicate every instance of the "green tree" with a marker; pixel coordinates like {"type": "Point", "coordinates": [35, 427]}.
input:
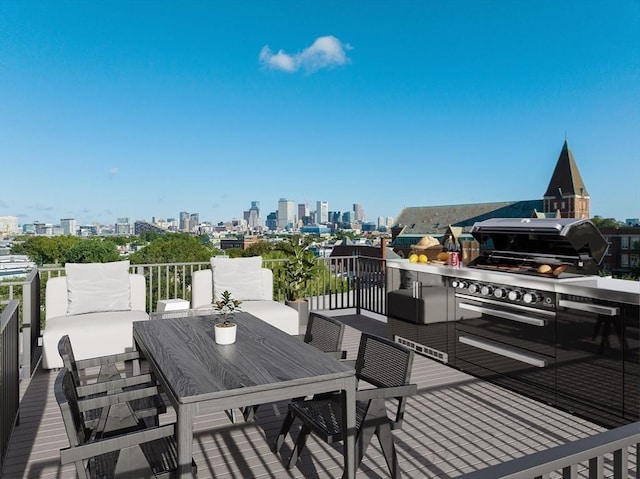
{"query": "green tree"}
{"type": "Point", "coordinates": [93, 250]}
{"type": "Point", "coordinates": [259, 248]}
{"type": "Point", "coordinates": [173, 248]}
{"type": "Point", "coordinates": [45, 249]}
{"type": "Point", "coordinates": [601, 222]}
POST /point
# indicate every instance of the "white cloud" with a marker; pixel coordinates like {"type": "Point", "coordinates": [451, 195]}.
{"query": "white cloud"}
{"type": "Point", "coordinates": [113, 171]}
{"type": "Point", "coordinates": [325, 52]}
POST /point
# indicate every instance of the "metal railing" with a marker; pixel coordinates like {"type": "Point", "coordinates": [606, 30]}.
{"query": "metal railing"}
{"type": "Point", "coordinates": [9, 375]}
{"type": "Point", "coordinates": [614, 453]}
{"type": "Point", "coordinates": [346, 282]}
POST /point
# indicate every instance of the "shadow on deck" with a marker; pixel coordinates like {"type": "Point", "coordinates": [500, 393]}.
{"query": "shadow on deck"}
{"type": "Point", "coordinates": [455, 424]}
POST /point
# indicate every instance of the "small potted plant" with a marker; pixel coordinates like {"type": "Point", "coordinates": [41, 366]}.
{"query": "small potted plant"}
{"type": "Point", "coordinates": [225, 331]}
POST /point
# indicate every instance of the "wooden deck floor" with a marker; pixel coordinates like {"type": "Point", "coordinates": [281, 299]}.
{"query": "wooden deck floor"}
{"type": "Point", "coordinates": [454, 425]}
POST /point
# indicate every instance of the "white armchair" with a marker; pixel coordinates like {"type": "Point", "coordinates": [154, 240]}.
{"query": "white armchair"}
{"type": "Point", "coordinates": [252, 285]}
{"type": "Point", "coordinates": [92, 333]}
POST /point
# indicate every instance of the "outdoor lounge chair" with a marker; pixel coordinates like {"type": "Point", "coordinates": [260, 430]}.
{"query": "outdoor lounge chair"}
{"type": "Point", "coordinates": [381, 363]}
{"type": "Point", "coordinates": [134, 450]}
{"type": "Point", "coordinates": [109, 380]}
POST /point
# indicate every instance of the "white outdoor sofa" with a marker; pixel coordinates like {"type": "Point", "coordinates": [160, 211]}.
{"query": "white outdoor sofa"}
{"type": "Point", "coordinates": [92, 334]}
{"type": "Point", "coordinates": [248, 282]}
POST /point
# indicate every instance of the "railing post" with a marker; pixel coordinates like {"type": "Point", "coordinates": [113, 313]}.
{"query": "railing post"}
{"type": "Point", "coordinates": [357, 284]}
{"type": "Point", "coordinates": [30, 321]}
{"type": "Point", "coordinates": [9, 375]}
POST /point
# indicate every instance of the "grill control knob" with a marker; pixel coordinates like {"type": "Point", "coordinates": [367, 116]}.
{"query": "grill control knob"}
{"type": "Point", "coordinates": [474, 288]}
{"type": "Point", "coordinates": [486, 290]}
{"type": "Point", "coordinates": [462, 284]}
{"type": "Point", "coordinates": [530, 298]}
{"type": "Point", "coordinates": [515, 295]}
{"type": "Point", "coordinates": [500, 293]}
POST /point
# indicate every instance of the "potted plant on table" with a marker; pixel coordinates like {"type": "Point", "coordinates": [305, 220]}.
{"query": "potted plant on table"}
{"type": "Point", "coordinates": [299, 270]}
{"type": "Point", "coordinates": [226, 306]}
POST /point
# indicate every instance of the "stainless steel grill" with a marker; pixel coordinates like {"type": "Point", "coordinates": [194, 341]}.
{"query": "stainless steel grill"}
{"type": "Point", "coordinates": [547, 247]}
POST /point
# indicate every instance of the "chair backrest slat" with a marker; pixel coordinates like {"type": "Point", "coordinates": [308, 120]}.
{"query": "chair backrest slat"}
{"type": "Point", "coordinates": [382, 362]}
{"type": "Point", "coordinates": [324, 332]}
{"type": "Point", "coordinates": [77, 432]}
{"type": "Point", "coordinates": [68, 358]}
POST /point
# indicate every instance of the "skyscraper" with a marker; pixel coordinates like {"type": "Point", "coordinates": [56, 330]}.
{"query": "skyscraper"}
{"type": "Point", "coordinates": [184, 221]}
{"type": "Point", "coordinates": [254, 221]}
{"type": "Point", "coordinates": [286, 213]}
{"type": "Point", "coordinates": [322, 212]}
{"type": "Point", "coordinates": [358, 211]}
{"type": "Point", "coordinates": [303, 212]}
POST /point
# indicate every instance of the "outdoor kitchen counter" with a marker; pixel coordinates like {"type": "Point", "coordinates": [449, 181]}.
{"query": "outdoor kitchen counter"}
{"type": "Point", "coordinates": [605, 288]}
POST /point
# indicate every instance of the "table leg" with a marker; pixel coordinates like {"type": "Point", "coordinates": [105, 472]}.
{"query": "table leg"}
{"type": "Point", "coordinates": [184, 440]}
{"type": "Point", "coordinates": [349, 405]}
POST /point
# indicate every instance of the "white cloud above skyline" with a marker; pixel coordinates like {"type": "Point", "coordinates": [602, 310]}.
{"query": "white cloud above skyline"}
{"type": "Point", "coordinates": [324, 52]}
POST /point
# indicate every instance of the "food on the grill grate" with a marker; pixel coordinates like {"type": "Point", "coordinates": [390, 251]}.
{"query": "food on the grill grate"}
{"type": "Point", "coordinates": [544, 269]}
{"type": "Point", "coordinates": [559, 269]}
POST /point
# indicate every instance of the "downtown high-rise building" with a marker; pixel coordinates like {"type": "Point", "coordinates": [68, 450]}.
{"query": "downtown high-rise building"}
{"type": "Point", "coordinates": [322, 212]}
{"type": "Point", "coordinates": [303, 213]}
{"type": "Point", "coordinates": [252, 217]}
{"type": "Point", "coordinates": [358, 212]}
{"type": "Point", "coordinates": [286, 213]}
{"type": "Point", "coordinates": [184, 221]}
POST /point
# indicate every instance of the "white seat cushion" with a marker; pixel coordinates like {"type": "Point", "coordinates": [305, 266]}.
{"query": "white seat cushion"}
{"type": "Point", "coordinates": [277, 314]}
{"type": "Point", "coordinates": [91, 334]}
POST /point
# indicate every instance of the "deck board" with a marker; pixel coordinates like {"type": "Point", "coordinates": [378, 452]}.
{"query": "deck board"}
{"type": "Point", "coordinates": [455, 424]}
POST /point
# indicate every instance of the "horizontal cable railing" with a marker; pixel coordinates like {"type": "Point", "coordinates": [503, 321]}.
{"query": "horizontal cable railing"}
{"type": "Point", "coordinates": [9, 375]}
{"type": "Point", "coordinates": [613, 454]}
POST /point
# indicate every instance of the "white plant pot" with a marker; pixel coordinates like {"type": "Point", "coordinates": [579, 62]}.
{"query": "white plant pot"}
{"type": "Point", "coordinates": [225, 334]}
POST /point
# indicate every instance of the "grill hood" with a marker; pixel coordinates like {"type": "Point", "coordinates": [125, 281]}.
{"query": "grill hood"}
{"type": "Point", "coordinates": [576, 242]}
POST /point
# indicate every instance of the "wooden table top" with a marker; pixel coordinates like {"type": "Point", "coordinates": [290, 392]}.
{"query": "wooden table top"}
{"type": "Point", "coordinates": [262, 358]}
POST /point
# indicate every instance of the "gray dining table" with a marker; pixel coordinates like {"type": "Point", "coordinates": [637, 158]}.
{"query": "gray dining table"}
{"type": "Point", "coordinates": [264, 365]}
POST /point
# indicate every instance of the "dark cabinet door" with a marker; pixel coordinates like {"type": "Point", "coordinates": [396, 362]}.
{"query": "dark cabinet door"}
{"type": "Point", "coordinates": [589, 359]}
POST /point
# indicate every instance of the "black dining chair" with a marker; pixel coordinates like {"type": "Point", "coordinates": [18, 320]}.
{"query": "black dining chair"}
{"type": "Point", "coordinates": [107, 381]}
{"type": "Point", "coordinates": [324, 333]}
{"type": "Point", "coordinates": [133, 450]}
{"type": "Point", "coordinates": [383, 370]}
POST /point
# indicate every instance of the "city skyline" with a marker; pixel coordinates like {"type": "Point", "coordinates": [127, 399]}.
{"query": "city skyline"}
{"type": "Point", "coordinates": [138, 109]}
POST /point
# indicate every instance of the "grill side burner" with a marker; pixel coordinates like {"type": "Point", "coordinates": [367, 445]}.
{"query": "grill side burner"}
{"type": "Point", "coordinates": [565, 246]}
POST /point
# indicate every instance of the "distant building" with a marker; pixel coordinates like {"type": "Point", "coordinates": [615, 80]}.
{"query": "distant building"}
{"type": "Point", "coordinates": [69, 226]}
{"type": "Point", "coordinates": [566, 192]}
{"type": "Point", "coordinates": [322, 212]}
{"type": "Point", "coordinates": [316, 230]}
{"type": "Point", "coordinates": [286, 213]}
{"type": "Point", "coordinates": [624, 249]}
{"type": "Point", "coordinates": [241, 241]}
{"type": "Point", "coordinates": [358, 212]}
{"type": "Point", "coordinates": [184, 221]}
{"type": "Point", "coordinates": [252, 217]}
{"type": "Point", "coordinates": [9, 226]}
{"type": "Point", "coordinates": [272, 221]}
{"type": "Point", "coordinates": [140, 227]}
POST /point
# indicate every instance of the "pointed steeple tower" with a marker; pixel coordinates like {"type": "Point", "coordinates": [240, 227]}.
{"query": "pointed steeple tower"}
{"type": "Point", "coordinates": [566, 192]}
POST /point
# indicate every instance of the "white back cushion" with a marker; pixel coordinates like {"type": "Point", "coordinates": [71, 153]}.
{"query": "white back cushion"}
{"type": "Point", "coordinates": [95, 287]}
{"type": "Point", "coordinates": [242, 277]}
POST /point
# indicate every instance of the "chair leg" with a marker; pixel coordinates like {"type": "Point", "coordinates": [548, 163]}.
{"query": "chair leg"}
{"type": "Point", "coordinates": [284, 430]}
{"type": "Point", "coordinates": [300, 443]}
{"type": "Point", "coordinates": [249, 412]}
{"type": "Point", "coordinates": [385, 436]}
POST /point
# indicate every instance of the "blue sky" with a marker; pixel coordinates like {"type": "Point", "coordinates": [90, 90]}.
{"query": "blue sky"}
{"type": "Point", "coordinates": [141, 108]}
